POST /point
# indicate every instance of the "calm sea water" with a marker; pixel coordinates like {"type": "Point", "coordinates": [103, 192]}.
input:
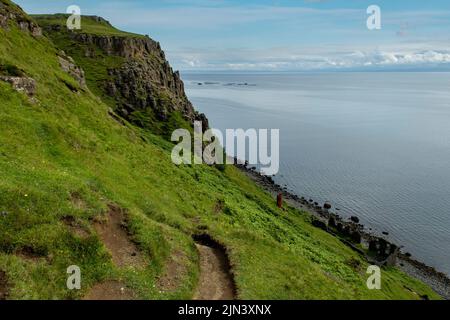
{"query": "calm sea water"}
{"type": "Point", "coordinates": [377, 145]}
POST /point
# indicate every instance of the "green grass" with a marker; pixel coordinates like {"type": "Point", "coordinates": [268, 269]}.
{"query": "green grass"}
{"type": "Point", "coordinates": [89, 24]}
{"type": "Point", "coordinates": [66, 144]}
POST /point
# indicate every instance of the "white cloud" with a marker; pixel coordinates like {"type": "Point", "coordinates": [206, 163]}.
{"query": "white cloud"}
{"type": "Point", "coordinates": [280, 59]}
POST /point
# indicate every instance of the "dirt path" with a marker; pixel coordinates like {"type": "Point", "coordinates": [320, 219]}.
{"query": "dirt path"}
{"type": "Point", "coordinates": [215, 282]}
{"type": "Point", "coordinates": [116, 239]}
{"type": "Point", "coordinates": [124, 253]}
{"type": "Point", "coordinates": [176, 270]}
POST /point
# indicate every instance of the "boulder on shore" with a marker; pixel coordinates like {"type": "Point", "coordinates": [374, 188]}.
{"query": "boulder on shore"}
{"type": "Point", "coordinates": [320, 224]}
{"type": "Point", "coordinates": [355, 219]}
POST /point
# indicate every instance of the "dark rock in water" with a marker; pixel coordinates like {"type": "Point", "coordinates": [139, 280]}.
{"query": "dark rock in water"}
{"type": "Point", "coordinates": [327, 206]}
{"type": "Point", "coordinates": [319, 224]}
{"type": "Point", "coordinates": [316, 204]}
{"type": "Point", "coordinates": [311, 200]}
{"type": "Point", "coordinates": [385, 233]}
{"type": "Point", "coordinates": [354, 219]}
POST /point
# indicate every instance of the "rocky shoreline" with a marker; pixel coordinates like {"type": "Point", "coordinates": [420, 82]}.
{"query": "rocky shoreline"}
{"type": "Point", "coordinates": [375, 249]}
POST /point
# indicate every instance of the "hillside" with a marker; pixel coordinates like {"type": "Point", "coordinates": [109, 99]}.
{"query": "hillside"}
{"type": "Point", "coordinates": [129, 72]}
{"type": "Point", "coordinates": [76, 168]}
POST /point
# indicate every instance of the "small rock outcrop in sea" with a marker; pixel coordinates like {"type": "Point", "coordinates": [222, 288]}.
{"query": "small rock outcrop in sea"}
{"type": "Point", "coordinates": [355, 219]}
{"type": "Point", "coordinates": [384, 252]}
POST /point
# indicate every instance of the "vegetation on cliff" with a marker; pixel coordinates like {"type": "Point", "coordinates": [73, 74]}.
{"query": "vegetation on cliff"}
{"type": "Point", "coordinates": [66, 164]}
{"type": "Point", "coordinates": [129, 72]}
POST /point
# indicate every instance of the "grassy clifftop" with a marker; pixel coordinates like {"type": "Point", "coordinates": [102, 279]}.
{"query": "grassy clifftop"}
{"type": "Point", "coordinates": [65, 162]}
{"type": "Point", "coordinates": [91, 24]}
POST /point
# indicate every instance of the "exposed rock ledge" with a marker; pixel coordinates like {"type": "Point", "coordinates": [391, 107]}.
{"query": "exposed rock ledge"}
{"type": "Point", "coordinates": [21, 84]}
{"type": "Point", "coordinates": [68, 65]}
{"type": "Point", "coordinates": [7, 15]}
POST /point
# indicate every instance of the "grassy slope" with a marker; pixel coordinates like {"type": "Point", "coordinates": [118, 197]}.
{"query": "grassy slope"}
{"type": "Point", "coordinates": [67, 146]}
{"type": "Point", "coordinates": [89, 24]}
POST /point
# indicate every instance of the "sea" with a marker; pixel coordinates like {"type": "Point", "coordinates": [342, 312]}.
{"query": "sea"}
{"type": "Point", "coordinates": [375, 145]}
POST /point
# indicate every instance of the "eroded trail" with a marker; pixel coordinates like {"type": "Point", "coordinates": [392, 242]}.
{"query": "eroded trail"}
{"type": "Point", "coordinates": [124, 254]}
{"type": "Point", "coordinates": [114, 235]}
{"type": "Point", "coordinates": [216, 282]}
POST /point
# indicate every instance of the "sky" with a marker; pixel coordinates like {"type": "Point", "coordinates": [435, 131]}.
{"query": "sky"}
{"type": "Point", "coordinates": [281, 35]}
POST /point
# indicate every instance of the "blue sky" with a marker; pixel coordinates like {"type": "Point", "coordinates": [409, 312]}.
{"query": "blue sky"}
{"type": "Point", "coordinates": [281, 35]}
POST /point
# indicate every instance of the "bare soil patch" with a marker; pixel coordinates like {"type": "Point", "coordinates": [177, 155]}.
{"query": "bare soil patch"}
{"type": "Point", "coordinates": [216, 281]}
{"type": "Point", "coordinates": [174, 272]}
{"type": "Point", "coordinates": [117, 240]}
{"type": "Point", "coordinates": [29, 254]}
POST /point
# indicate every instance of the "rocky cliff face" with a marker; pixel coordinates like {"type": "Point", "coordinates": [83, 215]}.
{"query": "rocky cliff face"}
{"type": "Point", "coordinates": [10, 13]}
{"type": "Point", "coordinates": [143, 87]}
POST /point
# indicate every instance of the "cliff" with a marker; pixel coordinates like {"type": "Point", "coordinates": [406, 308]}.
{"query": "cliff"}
{"type": "Point", "coordinates": [134, 77]}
